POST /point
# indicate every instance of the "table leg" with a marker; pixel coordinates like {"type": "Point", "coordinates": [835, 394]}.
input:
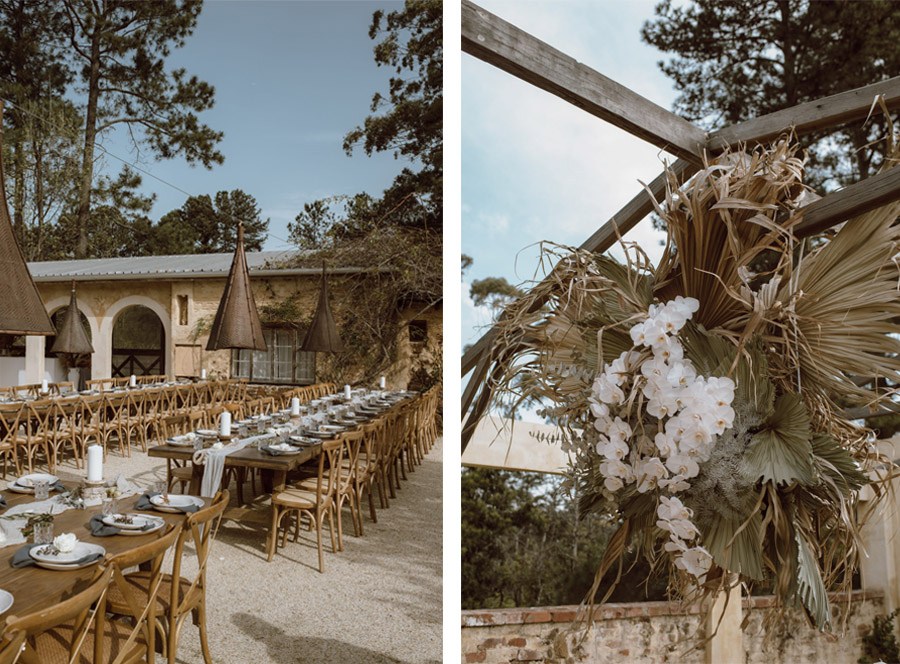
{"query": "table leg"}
{"type": "Point", "coordinates": [196, 479]}
{"type": "Point", "coordinates": [273, 480]}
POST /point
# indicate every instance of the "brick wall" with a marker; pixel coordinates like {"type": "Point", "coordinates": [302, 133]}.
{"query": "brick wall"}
{"type": "Point", "coordinates": [651, 632]}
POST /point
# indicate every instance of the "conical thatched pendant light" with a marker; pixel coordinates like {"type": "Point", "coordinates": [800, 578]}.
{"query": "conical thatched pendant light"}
{"type": "Point", "coordinates": [22, 310]}
{"type": "Point", "coordinates": [71, 337]}
{"type": "Point", "coordinates": [322, 335]}
{"type": "Point", "coordinates": [237, 321]}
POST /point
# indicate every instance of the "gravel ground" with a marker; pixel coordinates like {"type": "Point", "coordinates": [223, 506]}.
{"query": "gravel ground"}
{"type": "Point", "coordinates": [378, 601]}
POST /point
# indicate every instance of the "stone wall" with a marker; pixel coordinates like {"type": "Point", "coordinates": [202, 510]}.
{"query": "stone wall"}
{"type": "Point", "coordinates": [187, 335]}
{"type": "Point", "coordinates": [651, 632]}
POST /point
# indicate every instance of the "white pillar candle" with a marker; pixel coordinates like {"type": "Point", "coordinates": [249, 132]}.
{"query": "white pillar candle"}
{"type": "Point", "coordinates": [44, 386]}
{"type": "Point", "coordinates": [95, 463]}
{"type": "Point", "coordinates": [347, 391]}
{"type": "Point", "coordinates": [225, 423]}
{"type": "Point", "coordinates": [202, 374]}
{"type": "Point", "coordinates": [295, 406]}
{"type": "Point", "coordinates": [381, 383]}
{"type": "Point", "coordinates": [132, 381]}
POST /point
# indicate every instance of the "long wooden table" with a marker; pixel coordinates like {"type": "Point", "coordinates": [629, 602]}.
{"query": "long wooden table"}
{"type": "Point", "coordinates": [274, 469]}
{"type": "Point", "coordinates": [35, 588]}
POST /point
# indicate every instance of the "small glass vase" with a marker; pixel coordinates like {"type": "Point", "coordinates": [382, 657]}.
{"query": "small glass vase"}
{"type": "Point", "coordinates": [43, 532]}
{"type": "Point", "coordinates": [110, 506]}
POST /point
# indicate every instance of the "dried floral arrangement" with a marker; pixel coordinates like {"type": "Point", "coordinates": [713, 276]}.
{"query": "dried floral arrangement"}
{"type": "Point", "coordinates": [703, 398]}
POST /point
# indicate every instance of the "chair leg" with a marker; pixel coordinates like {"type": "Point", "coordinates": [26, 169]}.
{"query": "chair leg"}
{"type": "Point", "coordinates": [273, 533]}
{"type": "Point", "coordinates": [371, 504]}
{"type": "Point", "coordinates": [319, 545]}
{"type": "Point", "coordinates": [204, 643]}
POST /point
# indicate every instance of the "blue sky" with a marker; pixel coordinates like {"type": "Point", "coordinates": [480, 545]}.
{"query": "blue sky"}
{"type": "Point", "coordinates": [291, 78]}
{"type": "Point", "coordinates": [535, 167]}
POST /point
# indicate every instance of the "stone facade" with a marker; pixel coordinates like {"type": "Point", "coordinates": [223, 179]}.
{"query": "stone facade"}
{"type": "Point", "coordinates": [186, 308]}
{"type": "Point", "coordinates": [653, 632]}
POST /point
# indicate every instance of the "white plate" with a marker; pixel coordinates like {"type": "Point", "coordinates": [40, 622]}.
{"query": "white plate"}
{"type": "Point", "coordinates": [6, 601]}
{"type": "Point", "coordinates": [330, 428]}
{"type": "Point", "coordinates": [305, 440]}
{"type": "Point", "coordinates": [66, 560]}
{"type": "Point", "coordinates": [283, 449]}
{"type": "Point", "coordinates": [180, 441]}
{"type": "Point", "coordinates": [175, 501]}
{"type": "Point", "coordinates": [27, 481]}
{"type": "Point", "coordinates": [140, 520]}
{"type": "Point", "coordinates": [207, 432]}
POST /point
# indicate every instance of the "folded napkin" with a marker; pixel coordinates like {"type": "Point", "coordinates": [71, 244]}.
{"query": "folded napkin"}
{"type": "Point", "coordinates": [2, 501]}
{"type": "Point", "coordinates": [22, 557]}
{"type": "Point", "coordinates": [144, 503]}
{"type": "Point", "coordinates": [100, 529]}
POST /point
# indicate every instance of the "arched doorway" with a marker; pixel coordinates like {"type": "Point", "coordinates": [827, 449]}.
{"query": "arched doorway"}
{"type": "Point", "coordinates": [138, 343]}
{"type": "Point", "coordinates": [69, 362]}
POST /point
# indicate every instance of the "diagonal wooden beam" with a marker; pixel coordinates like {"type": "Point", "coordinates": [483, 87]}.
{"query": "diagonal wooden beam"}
{"type": "Point", "coordinates": [807, 117]}
{"type": "Point", "coordinates": [490, 38]}
{"type": "Point", "coordinates": [852, 200]}
{"type": "Point", "coordinates": [480, 354]}
{"type": "Point", "coordinates": [603, 238]}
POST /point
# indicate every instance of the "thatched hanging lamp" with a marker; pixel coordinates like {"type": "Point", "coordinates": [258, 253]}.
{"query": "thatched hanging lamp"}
{"type": "Point", "coordinates": [237, 321]}
{"type": "Point", "coordinates": [22, 311]}
{"type": "Point", "coordinates": [322, 335]}
{"type": "Point", "coordinates": [71, 338]}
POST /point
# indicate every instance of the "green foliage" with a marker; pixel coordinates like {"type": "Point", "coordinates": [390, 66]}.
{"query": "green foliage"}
{"type": "Point", "coordinates": [781, 452]}
{"type": "Point", "coordinates": [525, 543]}
{"type": "Point", "coordinates": [118, 50]}
{"type": "Point", "coordinates": [881, 644]}
{"type": "Point", "coordinates": [732, 60]}
{"type": "Point", "coordinates": [409, 121]}
{"type": "Point", "coordinates": [204, 225]}
{"type": "Point", "coordinates": [493, 292]}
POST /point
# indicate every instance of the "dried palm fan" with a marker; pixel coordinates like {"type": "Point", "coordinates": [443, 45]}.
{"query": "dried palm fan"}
{"type": "Point", "coordinates": [702, 398]}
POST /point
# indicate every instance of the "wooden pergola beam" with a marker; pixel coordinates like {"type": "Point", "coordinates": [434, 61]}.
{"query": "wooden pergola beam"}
{"type": "Point", "coordinates": [849, 202]}
{"type": "Point", "coordinates": [479, 354]}
{"type": "Point", "coordinates": [499, 43]}
{"type": "Point", "coordinates": [602, 239]}
{"type": "Point", "coordinates": [808, 117]}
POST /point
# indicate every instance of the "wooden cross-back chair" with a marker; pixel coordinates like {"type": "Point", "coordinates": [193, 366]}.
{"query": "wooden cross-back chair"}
{"type": "Point", "coordinates": [138, 603]}
{"type": "Point", "coordinates": [65, 632]}
{"type": "Point", "coordinates": [63, 425]}
{"type": "Point", "coordinates": [180, 597]}
{"type": "Point", "coordinates": [37, 422]}
{"type": "Point", "coordinates": [315, 504]}
{"type": "Point", "coordinates": [10, 436]}
{"type": "Point", "coordinates": [11, 647]}
{"type": "Point", "coordinates": [346, 483]}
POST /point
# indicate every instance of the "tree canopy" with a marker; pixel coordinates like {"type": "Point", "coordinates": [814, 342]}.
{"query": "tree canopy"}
{"type": "Point", "coordinates": [731, 60]}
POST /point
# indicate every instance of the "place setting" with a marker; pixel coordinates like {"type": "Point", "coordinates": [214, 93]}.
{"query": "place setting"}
{"type": "Point", "coordinates": [65, 552]}
{"type": "Point", "coordinates": [172, 503]}
{"type": "Point", "coordinates": [39, 484]}
{"type": "Point", "coordinates": [129, 524]}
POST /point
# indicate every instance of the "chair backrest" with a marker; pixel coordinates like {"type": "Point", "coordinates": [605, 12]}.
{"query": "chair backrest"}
{"type": "Point", "coordinates": [372, 435]}
{"type": "Point", "coordinates": [329, 469]}
{"type": "Point", "coordinates": [352, 442]}
{"type": "Point", "coordinates": [10, 414]}
{"type": "Point", "coordinates": [142, 605]}
{"type": "Point", "coordinates": [201, 527]}
{"type": "Point", "coordinates": [11, 646]}
{"type": "Point", "coordinates": [85, 610]}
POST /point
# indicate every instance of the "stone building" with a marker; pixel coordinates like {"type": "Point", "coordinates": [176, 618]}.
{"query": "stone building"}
{"type": "Point", "coordinates": [151, 315]}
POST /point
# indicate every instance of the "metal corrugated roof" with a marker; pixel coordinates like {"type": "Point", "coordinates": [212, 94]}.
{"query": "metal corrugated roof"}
{"type": "Point", "coordinates": [187, 266]}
